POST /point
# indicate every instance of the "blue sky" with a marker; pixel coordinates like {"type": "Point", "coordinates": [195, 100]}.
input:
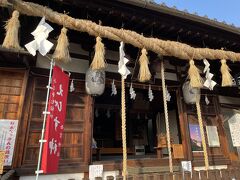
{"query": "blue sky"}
{"type": "Point", "coordinates": [222, 10]}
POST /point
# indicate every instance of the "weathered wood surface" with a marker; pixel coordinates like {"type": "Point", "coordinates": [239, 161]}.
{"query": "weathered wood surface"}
{"type": "Point", "coordinates": [225, 174]}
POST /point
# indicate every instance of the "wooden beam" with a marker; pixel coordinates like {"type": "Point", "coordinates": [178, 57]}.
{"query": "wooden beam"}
{"type": "Point", "coordinates": [172, 28]}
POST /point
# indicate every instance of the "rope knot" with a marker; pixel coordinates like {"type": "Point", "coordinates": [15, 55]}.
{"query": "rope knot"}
{"type": "Point", "coordinates": [191, 62]}
{"type": "Point", "coordinates": [223, 61]}
{"type": "Point", "coordinates": [144, 51]}
{"type": "Point", "coordinates": [15, 14]}
{"type": "Point", "coordinates": [99, 39]}
{"type": "Point", "coordinates": [64, 30]}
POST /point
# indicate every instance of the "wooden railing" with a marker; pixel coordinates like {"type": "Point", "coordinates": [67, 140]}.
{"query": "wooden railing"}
{"type": "Point", "coordinates": [224, 174]}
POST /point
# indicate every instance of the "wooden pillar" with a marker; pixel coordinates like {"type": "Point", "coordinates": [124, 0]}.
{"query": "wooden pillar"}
{"type": "Point", "coordinates": [222, 134]}
{"type": "Point", "coordinates": [183, 119]}
{"type": "Point", "coordinates": [88, 129]}
{"type": "Point", "coordinates": [184, 127]}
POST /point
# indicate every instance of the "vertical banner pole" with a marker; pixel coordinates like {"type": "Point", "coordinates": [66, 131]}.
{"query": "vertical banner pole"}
{"type": "Point", "coordinates": [44, 121]}
{"type": "Point", "coordinates": [166, 117]}
{"type": "Point", "coordinates": [124, 143]}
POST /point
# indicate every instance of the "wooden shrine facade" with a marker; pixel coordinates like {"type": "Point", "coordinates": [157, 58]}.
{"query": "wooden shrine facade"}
{"type": "Point", "coordinates": [24, 94]}
{"type": "Point", "coordinates": [23, 79]}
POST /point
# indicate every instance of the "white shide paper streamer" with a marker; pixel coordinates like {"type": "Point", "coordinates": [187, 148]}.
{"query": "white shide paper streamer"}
{"type": "Point", "coordinates": [114, 89]}
{"type": "Point", "coordinates": [122, 68]}
{"type": "Point", "coordinates": [209, 83]}
{"type": "Point", "coordinates": [150, 93]}
{"type": "Point", "coordinates": [132, 92]}
{"type": "Point", "coordinates": [40, 41]}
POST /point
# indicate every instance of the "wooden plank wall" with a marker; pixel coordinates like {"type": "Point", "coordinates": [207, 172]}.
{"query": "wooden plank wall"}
{"type": "Point", "coordinates": [12, 92]}
{"type": "Point", "coordinates": [211, 117]}
{"type": "Point", "coordinates": [75, 150]}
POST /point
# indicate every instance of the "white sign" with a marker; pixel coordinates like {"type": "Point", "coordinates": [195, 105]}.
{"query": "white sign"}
{"type": "Point", "coordinates": [186, 166]}
{"type": "Point", "coordinates": [212, 135]}
{"type": "Point", "coordinates": [95, 171]}
{"type": "Point", "coordinates": [234, 126]}
{"type": "Point", "coordinates": [8, 131]}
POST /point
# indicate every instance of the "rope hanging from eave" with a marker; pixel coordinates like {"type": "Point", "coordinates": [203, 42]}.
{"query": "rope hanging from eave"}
{"type": "Point", "coordinates": [201, 126]}
{"type": "Point", "coordinates": [166, 48]}
{"type": "Point", "coordinates": [124, 136]}
{"type": "Point", "coordinates": [166, 117]}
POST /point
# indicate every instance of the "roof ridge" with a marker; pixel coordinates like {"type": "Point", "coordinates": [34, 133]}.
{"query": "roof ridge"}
{"type": "Point", "coordinates": [163, 6]}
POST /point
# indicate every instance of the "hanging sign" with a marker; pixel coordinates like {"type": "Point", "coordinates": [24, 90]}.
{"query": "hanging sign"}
{"type": "Point", "coordinates": [195, 136]}
{"type": "Point", "coordinates": [212, 135]}
{"type": "Point", "coordinates": [55, 121]}
{"type": "Point", "coordinates": [234, 126]}
{"type": "Point", "coordinates": [8, 131]}
{"type": "Point", "coordinates": [186, 166]}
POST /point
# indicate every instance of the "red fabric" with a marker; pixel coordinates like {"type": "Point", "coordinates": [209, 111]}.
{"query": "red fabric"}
{"type": "Point", "coordinates": [55, 121]}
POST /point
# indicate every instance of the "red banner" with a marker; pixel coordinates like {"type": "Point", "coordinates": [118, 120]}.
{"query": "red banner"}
{"type": "Point", "coordinates": [55, 121]}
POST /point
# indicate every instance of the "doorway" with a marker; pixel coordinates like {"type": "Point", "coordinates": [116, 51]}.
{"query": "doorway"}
{"type": "Point", "coordinates": [145, 121]}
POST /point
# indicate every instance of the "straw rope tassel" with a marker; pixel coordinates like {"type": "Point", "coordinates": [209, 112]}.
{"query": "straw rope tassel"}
{"type": "Point", "coordinates": [194, 76]}
{"type": "Point", "coordinates": [159, 46]}
{"type": "Point", "coordinates": [12, 26]}
{"type": "Point", "coordinates": [226, 76]}
{"type": "Point", "coordinates": [124, 143]}
{"type": "Point", "coordinates": [99, 56]}
{"type": "Point", "coordinates": [166, 117]}
{"type": "Point", "coordinates": [202, 135]}
{"type": "Point", "coordinates": [61, 52]}
{"type": "Point", "coordinates": [144, 72]}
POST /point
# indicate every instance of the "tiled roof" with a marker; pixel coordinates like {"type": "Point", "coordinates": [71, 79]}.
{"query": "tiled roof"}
{"type": "Point", "coordinates": [163, 8]}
